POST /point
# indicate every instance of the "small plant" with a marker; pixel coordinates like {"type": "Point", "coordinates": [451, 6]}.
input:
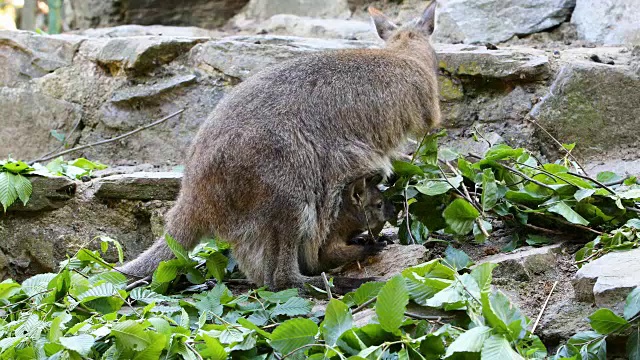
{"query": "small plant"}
{"type": "Point", "coordinates": [604, 322]}
{"type": "Point", "coordinates": [460, 195]}
{"type": "Point", "coordinates": [15, 185]}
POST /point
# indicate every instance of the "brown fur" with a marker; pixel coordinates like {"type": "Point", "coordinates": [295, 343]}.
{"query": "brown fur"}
{"type": "Point", "coordinates": [267, 169]}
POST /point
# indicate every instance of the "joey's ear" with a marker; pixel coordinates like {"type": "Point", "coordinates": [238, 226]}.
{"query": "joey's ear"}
{"type": "Point", "coordinates": [357, 190]}
{"type": "Point", "coordinates": [427, 21]}
{"type": "Point", "coordinates": [384, 26]}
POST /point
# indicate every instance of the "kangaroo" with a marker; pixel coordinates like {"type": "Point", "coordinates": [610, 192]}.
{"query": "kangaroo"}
{"type": "Point", "coordinates": [363, 208]}
{"type": "Point", "coordinates": [267, 169]}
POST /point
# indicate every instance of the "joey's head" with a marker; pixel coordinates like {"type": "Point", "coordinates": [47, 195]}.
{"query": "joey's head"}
{"type": "Point", "coordinates": [413, 36]}
{"type": "Point", "coordinates": [364, 204]}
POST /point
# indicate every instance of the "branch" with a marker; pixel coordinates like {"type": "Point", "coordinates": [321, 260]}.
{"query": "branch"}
{"type": "Point", "coordinates": [535, 325]}
{"type": "Point", "coordinates": [364, 305]}
{"type": "Point", "coordinates": [102, 142]}
{"type": "Point", "coordinates": [327, 286]}
{"type": "Point", "coordinates": [533, 121]}
{"type": "Point", "coordinates": [593, 180]}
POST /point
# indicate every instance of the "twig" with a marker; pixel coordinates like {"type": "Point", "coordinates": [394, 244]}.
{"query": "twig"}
{"type": "Point", "coordinates": [455, 188]}
{"type": "Point", "coordinates": [593, 180]}
{"type": "Point", "coordinates": [364, 305]}
{"type": "Point", "coordinates": [27, 299]}
{"type": "Point", "coordinates": [406, 214]}
{"type": "Point", "coordinates": [596, 253]}
{"type": "Point", "coordinates": [66, 138]}
{"type": "Point", "coordinates": [632, 209]}
{"type": "Point", "coordinates": [544, 306]}
{"type": "Point", "coordinates": [434, 318]}
{"type": "Point", "coordinates": [144, 281]}
{"type": "Point", "coordinates": [302, 347]}
{"type": "Point", "coordinates": [517, 172]}
{"type": "Point", "coordinates": [481, 227]}
{"type": "Point", "coordinates": [193, 350]}
{"type": "Point", "coordinates": [545, 230]}
{"type": "Point", "coordinates": [533, 120]}
{"type": "Point", "coordinates": [326, 285]}
{"type": "Point", "coordinates": [102, 142]}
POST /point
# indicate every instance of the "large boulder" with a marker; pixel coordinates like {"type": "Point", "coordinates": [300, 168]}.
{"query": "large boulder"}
{"type": "Point", "coordinates": [608, 21]}
{"type": "Point", "coordinates": [264, 9]}
{"type": "Point", "coordinates": [497, 20]}
{"type": "Point", "coordinates": [608, 280]}
{"type": "Point", "coordinates": [84, 14]}
{"type": "Point", "coordinates": [319, 28]}
{"type": "Point", "coordinates": [594, 104]}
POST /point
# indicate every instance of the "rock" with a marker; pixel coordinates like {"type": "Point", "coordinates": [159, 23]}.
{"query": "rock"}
{"type": "Point", "coordinates": [607, 21]}
{"type": "Point", "coordinates": [608, 280]}
{"type": "Point", "coordinates": [152, 30]}
{"type": "Point", "coordinates": [49, 193]}
{"type": "Point", "coordinates": [264, 9]}
{"type": "Point", "coordinates": [496, 21]}
{"type": "Point", "coordinates": [523, 263]}
{"type": "Point", "coordinates": [319, 28]}
{"type": "Point", "coordinates": [26, 55]}
{"type": "Point", "coordinates": [26, 120]}
{"type": "Point", "coordinates": [152, 89]}
{"type": "Point", "coordinates": [588, 97]}
{"type": "Point", "coordinates": [139, 186]}
{"type": "Point", "coordinates": [141, 54]}
{"type": "Point", "coordinates": [512, 64]}
{"type": "Point", "coordinates": [239, 56]}
{"type": "Point", "coordinates": [389, 262]}
{"type": "Point", "coordinates": [83, 14]}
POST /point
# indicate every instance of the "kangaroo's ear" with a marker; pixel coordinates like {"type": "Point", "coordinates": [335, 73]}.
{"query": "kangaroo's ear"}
{"type": "Point", "coordinates": [427, 21]}
{"type": "Point", "coordinates": [357, 191]}
{"type": "Point", "coordinates": [384, 26]}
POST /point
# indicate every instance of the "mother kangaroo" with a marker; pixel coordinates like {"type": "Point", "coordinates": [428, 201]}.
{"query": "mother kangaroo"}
{"type": "Point", "coordinates": [267, 169]}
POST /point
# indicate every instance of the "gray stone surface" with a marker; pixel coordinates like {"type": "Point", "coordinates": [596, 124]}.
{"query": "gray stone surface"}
{"type": "Point", "coordinates": [83, 14]}
{"type": "Point", "coordinates": [388, 263]}
{"type": "Point", "coordinates": [151, 30]}
{"type": "Point", "coordinates": [25, 55]}
{"type": "Point", "coordinates": [286, 24]}
{"type": "Point", "coordinates": [497, 20]}
{"type": "Point", "coordinates": [594, 105]}
{"type": "Point", "coordinates": [524, 263]}
{"type": "Point", "coordinates": [608, 21]}
{"type": "Point", "coordinates": [49, 193]}
{"type": "Point", "coordinates": [608, 280]}
{"type": "Point", "coordinates": [264, 9]}
{"type": "Point", "coordinates": [27, 118]}
{"type": "Point", "coordinates": [139, 186]}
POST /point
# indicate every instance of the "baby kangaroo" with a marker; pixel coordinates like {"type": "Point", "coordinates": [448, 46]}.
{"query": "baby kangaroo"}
{"type": "Point", "coordinates": [364, 208]}
{"type": "Point", "coordinates": [267, 169]}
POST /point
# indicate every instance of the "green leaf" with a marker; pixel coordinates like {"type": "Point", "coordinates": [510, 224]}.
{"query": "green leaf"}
{"type": "Point", "coordinates": [403, 168]}
{"type": "Point", "coordinates": [502, 315]}
{"type": "Point", "coordinates": [8, 288]}
{"type": "Point", "coordinates": [131, 335]}
{"type": "Point", "coordinates": [482, 274]}
{"type": "Point", "coordinates": [81, 344]}
{"type": "Point", "coordinates": [155, 348]}
{"type": "Point", "coordinates": [433, 187]}
{"type": "Point", "coordinates": [279, 297]}
{"type": "Point", "coordinates": [537, 240]}
{"type": "Point", "coordinates": [166, 271]}
{"type": "Point", "coordinates": [102, 290]}
{"type": "Point", "coordinates": [460, 216]}
{"type": "Point", "coordinates": [8, 194]}
{"type": "Point", "coordinates": [392, 303]}
{"type": "Point", "coordinates": [489, 190]}
{"type": "Point", "coordinates": [87, 165]}
{"type": "Point", "coordinates": [177, 249]}
{"type": "Point", "coordinates": [337, 320]}
{"type": "Point", "coordinates": [632, 305]}
{"type": "Point", "coordinates": [217, 265]}
{"type": "Point", "coordinates": [425, 280]}
{"type": "Point", "coordinates": [213, 350]}
{"type": "Point", "coordinates": [582, 194]}
{"type": "Point", "coordinates": [608, 177]}
{"type": "Point", "coordinates": [457, 259]}
{"type": "Point", "coordinates": [292, 334]}
{"type": "Point", "coordinates": [630, 194]}
{"type": "Point", "coordinates": [497, 347]}
{"type": "Point", "coordinates": [633, 345]}
{"type": "Point", "coordinates": [499, 152]}
{"type": "Point", "coordinates": [568, 213]}
{"type": "Point", "coordinates": [147, 296]}
{"type": "Point", "coordinates": [605, 322]}
{"type": "Point", "coordinates": [295, 306]}
{"type": "Point", "coordinates": [57, 135]}
{"type": "Point", "coordinates": [428, 151]}
{"type": "Point", "coordinates": [367, 291]}
{"type": "Point", "coordinates": [470, 341]}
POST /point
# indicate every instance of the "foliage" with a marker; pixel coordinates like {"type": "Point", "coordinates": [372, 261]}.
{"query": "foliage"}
{"type": "Point", "coordinates": [15, 185]}
{"type": "Point", "coordinates": [625, 238]}
{"type": "Point", "coordinates": [604, 322]}
{"type": "Point", "coordinates": [462, 195]}
{"type": "Point", "coordinates": [85, 312]}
